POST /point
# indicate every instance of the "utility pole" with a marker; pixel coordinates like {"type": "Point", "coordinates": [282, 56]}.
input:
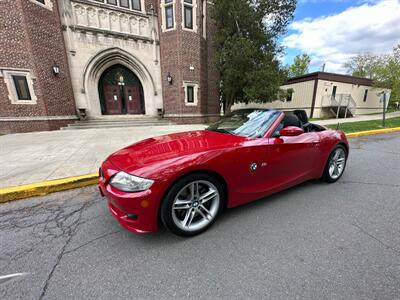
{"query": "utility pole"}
{"type": "Point", "coordinates": [384, 109]}
{"type": "Point", "coordinates": [383, 100]}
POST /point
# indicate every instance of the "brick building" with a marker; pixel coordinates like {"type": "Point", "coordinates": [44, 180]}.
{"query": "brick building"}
{"type": "Point", "coordinates": [105, 57]}
{"type": "Point", "coordinates": [31, 44]}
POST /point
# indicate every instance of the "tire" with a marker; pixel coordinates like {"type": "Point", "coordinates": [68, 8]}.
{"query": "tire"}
{"type": "Point", "coordinates": [192, 204]}
{"type": "Point", "coordinates": [338, 158]}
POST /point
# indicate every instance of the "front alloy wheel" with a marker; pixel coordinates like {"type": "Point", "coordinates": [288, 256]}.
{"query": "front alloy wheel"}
{"type": "Point", "coordinates": [335, 165]}
{"type": "Point", "coordinates": [192, 205]}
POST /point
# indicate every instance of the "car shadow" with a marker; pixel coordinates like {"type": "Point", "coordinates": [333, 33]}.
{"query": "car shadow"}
{"type": "Point", "coordinates": [269, 200]}
{"type": "Point", "coordinates": [163, 236]}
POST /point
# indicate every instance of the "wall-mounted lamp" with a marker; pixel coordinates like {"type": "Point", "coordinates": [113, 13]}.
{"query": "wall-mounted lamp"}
{"type": "Point", "coordinates": [169, 78]}
{"type": "Point", "coordinates": [56, 69]}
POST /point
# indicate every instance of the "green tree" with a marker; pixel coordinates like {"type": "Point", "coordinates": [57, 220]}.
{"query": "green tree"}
{"type": "Point", "coordinates": [363, 65]}
{"type": "Point", "coordinates": [387, 75]}
{"type": "Point", "coordinates": [383, 69]}
{"type": "Point", "coordinates": [246, 48]}
{"type": "Point", "coordinates": [300, 65]}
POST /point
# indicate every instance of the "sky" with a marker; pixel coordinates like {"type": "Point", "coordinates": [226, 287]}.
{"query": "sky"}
{"type": "Point", "coordinates": [333, 31]}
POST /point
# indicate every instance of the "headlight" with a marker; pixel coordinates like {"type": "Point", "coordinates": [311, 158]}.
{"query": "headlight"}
{"type": "Point", "coordinates": [129, 183]}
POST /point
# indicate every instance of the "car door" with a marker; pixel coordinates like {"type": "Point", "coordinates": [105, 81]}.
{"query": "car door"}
{"type": "Point", "coordinates": [291, 159]}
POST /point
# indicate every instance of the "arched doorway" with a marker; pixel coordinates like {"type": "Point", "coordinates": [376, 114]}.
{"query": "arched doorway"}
{"type": "Point", "coordinates": [120, 92]}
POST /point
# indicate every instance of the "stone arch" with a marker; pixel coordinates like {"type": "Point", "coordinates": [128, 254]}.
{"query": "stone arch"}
{"type": "Point", "coordinates": [102, 61]}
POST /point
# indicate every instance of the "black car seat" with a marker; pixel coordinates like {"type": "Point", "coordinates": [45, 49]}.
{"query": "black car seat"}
{"type": "Point", "coordinates": [302, 115]}
{"type": "Point", "coordinates": [291, 120]}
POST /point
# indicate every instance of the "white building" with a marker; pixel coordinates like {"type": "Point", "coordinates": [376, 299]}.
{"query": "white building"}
{"type": "Point", "coordinates": [324, 94]}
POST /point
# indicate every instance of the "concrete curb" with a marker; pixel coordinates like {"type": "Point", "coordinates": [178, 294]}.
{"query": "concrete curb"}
{"type": "Point", "coordinates": [47, 187]}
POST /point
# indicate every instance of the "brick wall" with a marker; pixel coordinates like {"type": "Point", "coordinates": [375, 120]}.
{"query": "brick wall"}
{"type": "Point", "coordinates": [31, 39]}
{"type": "Point", "coordinates": [213, 102]}
{"type": "Point", "coordinates": [181, 49]}
{"type": "Point", "coordinates": [32, 126]}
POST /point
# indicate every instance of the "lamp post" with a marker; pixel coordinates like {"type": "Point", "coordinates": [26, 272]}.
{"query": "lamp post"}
{"type": "Point", "coordinates": [384, 109]}
{"type": "Point", "coordinates": [383, 95]}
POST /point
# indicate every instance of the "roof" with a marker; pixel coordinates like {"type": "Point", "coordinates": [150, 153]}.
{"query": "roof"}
{"type": "Point", "coordinates": [331, 77]}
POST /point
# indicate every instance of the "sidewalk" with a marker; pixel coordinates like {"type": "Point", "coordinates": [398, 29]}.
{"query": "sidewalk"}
{"type": "Point", "coordinates": [357, 119]}
{"type": "Point", "coordinates": [34, 157]}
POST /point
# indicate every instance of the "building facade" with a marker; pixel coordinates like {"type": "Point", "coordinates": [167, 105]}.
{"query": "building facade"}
{"type": "Point", "coordinates": [114, 57]}
{"type": "Point", "coordinates": [32, 96]}
{"type": "Point", "coordinates": [325, 95]}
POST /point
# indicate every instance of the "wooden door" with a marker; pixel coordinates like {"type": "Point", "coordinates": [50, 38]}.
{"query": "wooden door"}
{"type": "Point", "coordinates": [132, 99]}
{"type": "Point", "coordinates": [113, 99]}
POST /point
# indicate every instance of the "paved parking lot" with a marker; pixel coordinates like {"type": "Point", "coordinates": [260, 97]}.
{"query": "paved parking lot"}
{"type": "Point", "coordinates": [314, 241]}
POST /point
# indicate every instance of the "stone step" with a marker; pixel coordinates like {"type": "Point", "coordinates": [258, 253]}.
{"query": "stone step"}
{"type": "Point", "coordinates": [122, 118]}
{"type": "Point", "coordinates": [121, 122]}
{"type": "Point", "coordinates": [117, 123]}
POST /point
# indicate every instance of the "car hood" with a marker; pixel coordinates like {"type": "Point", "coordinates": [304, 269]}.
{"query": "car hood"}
{"type": "Point", "coordinates": [147, 156]}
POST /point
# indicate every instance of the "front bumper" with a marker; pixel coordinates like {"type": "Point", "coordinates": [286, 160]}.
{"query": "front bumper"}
{"type": "Point", "coordinates": [136, 212]}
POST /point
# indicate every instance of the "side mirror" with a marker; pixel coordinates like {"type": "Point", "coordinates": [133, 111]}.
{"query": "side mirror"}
{"type": "Point", "coordinates": [291, 131]}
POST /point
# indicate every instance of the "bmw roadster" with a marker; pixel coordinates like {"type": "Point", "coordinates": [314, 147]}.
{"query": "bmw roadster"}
{"type": "Point", "coordinates": [185, 180]}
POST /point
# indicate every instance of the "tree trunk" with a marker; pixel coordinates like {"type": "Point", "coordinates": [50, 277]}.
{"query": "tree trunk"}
{"type": "Point", "coordinates": [228, 106]}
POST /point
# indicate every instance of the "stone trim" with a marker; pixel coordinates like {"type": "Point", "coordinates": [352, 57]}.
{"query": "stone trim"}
{"type": "Point", "coordinates": [190, 115]}
{"type": "Point", "coordinates": [196, 93]}
{"type": "Point", "coordinates": [163, 18]}
{"type": "Point", "coordinates": [113, 7]}
{"type": "Point", "coordinates": [194, 19]}
{"type": "Point", "coordinates": [12, 91]}
{"type": "Point", "coordinates": [37, 118]}
{"type": "Point", "coordinates": [204, 18]}
{"type": "Point", "coordinates": [106, 32]}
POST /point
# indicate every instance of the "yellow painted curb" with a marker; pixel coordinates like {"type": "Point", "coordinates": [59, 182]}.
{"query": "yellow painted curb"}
{"type": "Point", "coordinates": [372, 132]}
{"type": "Point", "coordinates": [47, 187]}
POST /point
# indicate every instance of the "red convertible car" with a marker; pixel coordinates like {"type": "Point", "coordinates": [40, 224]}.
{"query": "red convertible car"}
{"type": "Point", "coordinates": [185, 180]}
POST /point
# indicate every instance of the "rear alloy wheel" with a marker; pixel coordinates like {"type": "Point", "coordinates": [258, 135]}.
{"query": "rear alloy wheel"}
{"type": "Point", "coordinates": [336, 164]}
{"type": "Point", "coordinates": [192, 205]}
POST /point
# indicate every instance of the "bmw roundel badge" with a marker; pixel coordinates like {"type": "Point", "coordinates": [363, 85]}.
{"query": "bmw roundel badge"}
{"type": "Point", "coordinates": [253, 167]}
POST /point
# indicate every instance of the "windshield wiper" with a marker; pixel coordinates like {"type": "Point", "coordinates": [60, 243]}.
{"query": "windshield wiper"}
{"type": "Point", "coordinates": [221, 130]}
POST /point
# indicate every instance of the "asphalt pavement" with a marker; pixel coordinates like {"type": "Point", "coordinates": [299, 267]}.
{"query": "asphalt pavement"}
{"type": "Point", "coordinates": [314, 241]}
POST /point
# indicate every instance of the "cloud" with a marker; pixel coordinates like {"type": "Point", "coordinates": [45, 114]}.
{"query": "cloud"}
{"type": "Point", "coordinates": [371, 27]}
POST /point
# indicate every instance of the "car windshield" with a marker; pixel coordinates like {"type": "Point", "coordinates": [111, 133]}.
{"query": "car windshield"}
{"type": "Point", "coordinates": [250, 123]}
